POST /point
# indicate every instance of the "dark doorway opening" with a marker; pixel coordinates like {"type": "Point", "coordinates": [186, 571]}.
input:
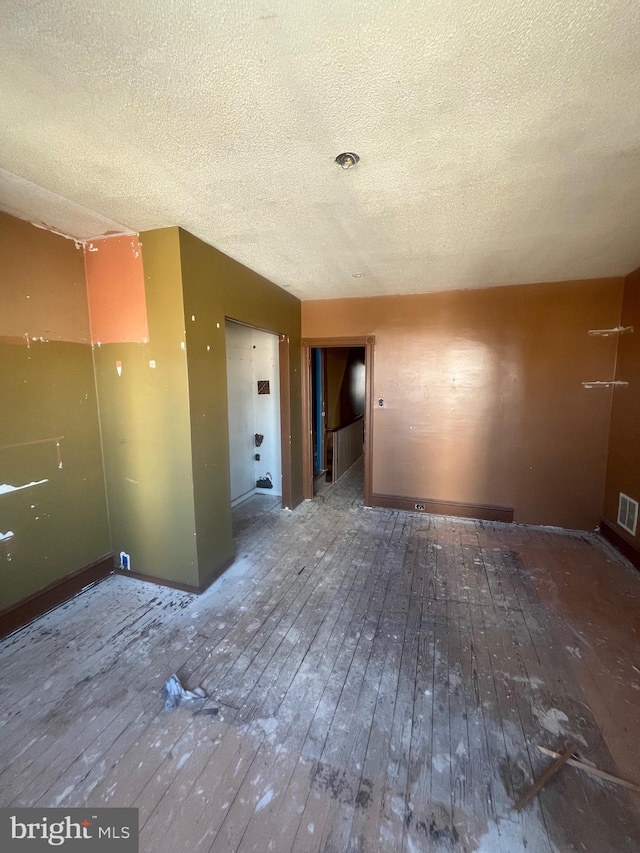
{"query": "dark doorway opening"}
{"type": "Point", "coordinates": [336, 410]}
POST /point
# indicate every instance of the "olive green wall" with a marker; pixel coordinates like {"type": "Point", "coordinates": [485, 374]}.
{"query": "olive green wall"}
{"type": "Point", "coordinates": [164, 427]}
{"type": "Point", "coordinates": [215, 286]}
{"type": "Point", "coordinates": [144, 413]}
{"type": "Point", "coordinates": [47, 392]}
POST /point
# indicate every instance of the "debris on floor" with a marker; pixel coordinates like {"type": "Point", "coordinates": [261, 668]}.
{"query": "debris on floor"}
{"type": "Point", "coordinates": [549, 773]}
{"type": "Point", "coordinates": [176, 694]}
{"type": "Point", "coordinates": [594, 771]}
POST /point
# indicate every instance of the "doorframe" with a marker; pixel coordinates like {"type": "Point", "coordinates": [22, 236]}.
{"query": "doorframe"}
{"type": "Point", "coordinates": [285, 407]}
{"type": "Point", "coordinates": [307, 344]}
{"type": "Point", "coordinates": [285, 420]}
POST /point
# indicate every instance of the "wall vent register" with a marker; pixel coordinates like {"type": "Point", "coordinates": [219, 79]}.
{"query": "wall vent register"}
{"type": "Point", "coordinates": [628, 514]}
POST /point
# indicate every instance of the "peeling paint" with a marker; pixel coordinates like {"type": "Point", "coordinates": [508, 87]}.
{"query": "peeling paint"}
{"type": "Point", "coordinates": [79, 244]}
{"type": "Point", "coordinates": [4, 537]}
{"type": "Point", "coordinates": [6, 488]}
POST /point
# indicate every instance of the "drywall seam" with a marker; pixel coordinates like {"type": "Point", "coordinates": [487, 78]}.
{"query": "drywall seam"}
{"type": "Point", "coordinates": [100, 433]}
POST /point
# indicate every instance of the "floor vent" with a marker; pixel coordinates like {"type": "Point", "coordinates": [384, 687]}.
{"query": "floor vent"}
{"type": "Point", "coordinates": [628, 514]}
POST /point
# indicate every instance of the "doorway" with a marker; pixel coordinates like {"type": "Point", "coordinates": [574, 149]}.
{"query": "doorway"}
{"type": "Point", "coordinates": [254, 412]}
{"type": "Point", "coordinates": [318, 409]}
{"type": "Point", "coordinates": [337, 407]}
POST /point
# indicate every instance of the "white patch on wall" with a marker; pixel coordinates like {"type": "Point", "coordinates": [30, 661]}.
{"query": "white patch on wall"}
{"type": "Point", "coordinates": [5, 488]}
{"type": "Point", "coordinates": [4, 537]}
{"type": "Point", "coordinates": [628, 513]}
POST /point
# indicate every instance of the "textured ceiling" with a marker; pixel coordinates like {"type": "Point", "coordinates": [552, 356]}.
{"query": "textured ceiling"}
{"type": "Point", "coordinates": [500, 140]}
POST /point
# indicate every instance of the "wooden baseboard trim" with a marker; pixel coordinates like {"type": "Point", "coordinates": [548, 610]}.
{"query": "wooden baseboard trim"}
{"type": "Point", "coordinates": [139, 576]}
{"type": "Point", "coordinates": [620, 543]}
{"type": "Point", "coordinates": [184, 587]}
{"type": "Point", "coordinates": [38, 603]}
{"type": "Point", "coordinates": [457, 509]}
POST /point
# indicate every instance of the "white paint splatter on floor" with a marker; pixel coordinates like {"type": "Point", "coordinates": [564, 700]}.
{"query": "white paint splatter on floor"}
{"type": "Point", "coordinates": [265, 799]}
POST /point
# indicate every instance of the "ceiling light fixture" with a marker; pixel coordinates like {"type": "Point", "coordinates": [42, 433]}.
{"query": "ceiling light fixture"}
{"type": "Point", "coordinates": [347, 159]}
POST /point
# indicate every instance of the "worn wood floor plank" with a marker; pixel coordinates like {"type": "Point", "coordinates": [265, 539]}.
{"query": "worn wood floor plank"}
{"type": "Point", "coordinates": [378, 681]}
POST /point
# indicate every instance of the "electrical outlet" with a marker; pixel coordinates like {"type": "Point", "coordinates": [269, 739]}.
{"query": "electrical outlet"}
{"type": "Point", "coordinates": [420, 507]}
{"type": "Point", "coordinates": [125, 561]}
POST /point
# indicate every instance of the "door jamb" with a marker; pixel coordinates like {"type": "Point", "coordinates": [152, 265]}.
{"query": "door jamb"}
{"type": "Point", "coordinates": [285, 420]}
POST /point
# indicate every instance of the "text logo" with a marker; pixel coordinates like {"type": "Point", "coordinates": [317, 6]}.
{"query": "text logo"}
{"type": "Point", "coordinates": [72, 830]}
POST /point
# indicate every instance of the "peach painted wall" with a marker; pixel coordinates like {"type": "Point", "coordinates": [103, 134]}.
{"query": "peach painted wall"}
{"type": "Point", "coordinates": [483, 395]}
{"type": "Point", "coordinates": [115, 291]}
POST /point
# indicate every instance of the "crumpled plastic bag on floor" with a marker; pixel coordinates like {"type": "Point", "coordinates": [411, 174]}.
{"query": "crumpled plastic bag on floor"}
{"type": "Point", "coordinates": [176, 694]}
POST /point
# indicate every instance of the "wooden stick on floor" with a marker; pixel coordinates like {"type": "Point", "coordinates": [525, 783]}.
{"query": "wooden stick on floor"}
{"type": "Point", "coordinates": [548, 774]}
{"type": "Point", "coordinates": [594, 771]}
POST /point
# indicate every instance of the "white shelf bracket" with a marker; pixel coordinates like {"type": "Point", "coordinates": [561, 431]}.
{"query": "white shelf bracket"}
{"type": "Point", "coordinates": [606, 333]}
{"type": "Point", "coordinates": [617, 383]}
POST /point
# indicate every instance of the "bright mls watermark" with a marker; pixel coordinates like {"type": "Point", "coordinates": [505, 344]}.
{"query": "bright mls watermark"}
{"type": "Point", "coordinates": [79, 830]}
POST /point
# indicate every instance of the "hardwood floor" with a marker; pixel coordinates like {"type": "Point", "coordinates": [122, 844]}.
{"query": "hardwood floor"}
{"type": "Point", "coordinates": [377, 681]}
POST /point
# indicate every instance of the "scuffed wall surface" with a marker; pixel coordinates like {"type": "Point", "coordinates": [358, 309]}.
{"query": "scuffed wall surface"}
{"type": "Point", "coordinates": [143, 397]}
{"type": "Point", "coordinates": [482, 394]}
{"type": "Point", "coordinates": [52, 497]}
{"type": "Point", "coordinates": [623, 466]}
{"type": "Point", "coordinates": [162, 402]}
{"type": "Point", "coordinates": [215, 286]}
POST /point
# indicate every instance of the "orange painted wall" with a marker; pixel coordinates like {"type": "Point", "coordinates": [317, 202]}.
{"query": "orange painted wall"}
{"type": "Point", "coordinates": [483, 395]}
{"type": "Point", "coordinates": [623, 468]}
{"type": "Point", "coordinates": [115, 291]}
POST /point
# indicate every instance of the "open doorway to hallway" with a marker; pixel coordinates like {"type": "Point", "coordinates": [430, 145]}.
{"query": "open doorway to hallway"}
{"type": "Point", "coordinates": [337, 402]}
{"type": "Point", "coordinates": [337, 382]}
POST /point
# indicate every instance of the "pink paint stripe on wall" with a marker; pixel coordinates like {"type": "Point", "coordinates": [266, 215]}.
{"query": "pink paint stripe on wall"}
{"type": "Point", "coordinates": [115, 290]}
